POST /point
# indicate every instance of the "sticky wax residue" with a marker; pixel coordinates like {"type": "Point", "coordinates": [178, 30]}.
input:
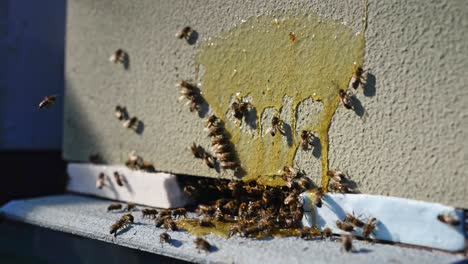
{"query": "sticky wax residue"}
{"type": "Point", "coordinates": [260, 60]}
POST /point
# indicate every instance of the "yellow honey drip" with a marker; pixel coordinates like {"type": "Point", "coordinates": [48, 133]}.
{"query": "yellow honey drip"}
{"type": "Point", "coordinates": [259, 59]}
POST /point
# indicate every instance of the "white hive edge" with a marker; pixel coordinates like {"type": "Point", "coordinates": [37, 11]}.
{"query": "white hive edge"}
{"type": "Point", "coordinates": [399, 220]}
{"type": "Point", "coordinates": [156, 189]}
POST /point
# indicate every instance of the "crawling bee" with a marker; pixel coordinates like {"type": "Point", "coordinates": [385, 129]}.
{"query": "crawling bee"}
{"type": "Point", "coordinates": [345, 99]}
{"type": "Point", "coordinates": [347, 242]}
{"type": "Point", "coordinates": [221, 148]}
{"type": "Point", "coordinates": [185, 33]}
{"type": "Point", "coordinates": [205, 222]}
{"type": "Point", "coordinates": [318, 197]}
{"type": "Point", "coordinates": [307, 139]}
{"type": "Point", "coordinates": [124, 221]}
{"type": "Point", "coordinates": [165, 212]}
{"type": "Point", "coordinates": [209, 160]}
{"type": "Point", "coordinates": [350, 218]}
{"type": "Point", "coordinates": [118, 56]}
{"type": "Point", "coordinates": [130, 207]}
{"type": "Point", "coordinates": [327, 232]}
{"type": "Point", "coordinates": [47, 101]}
{"type": "Point", "coordinates": [119, 179]}
{"type": "Point", "coordinates": [179, 212]}
{"type": "Point", "coordinates": [164, 238]}
{"type": "Point", "coordinates": [276, 125]}
{"type": "Point", "coordinates": [213, 120]}
{"type": "Point", "coordinates": [308, 233]}
{"type": "Point", "coordinates": [369, 228]}
{"type": "Point", "coordinates": [114, 206]}
{"type": "Point", "coordinates": [202, 244]}
{"type": "Point", "coordinates": [160, 220]}
{"type": "Point", "coordinates": [240, 109]}
{"type": "Point", "coordinates": [292, 36]}
{"type": "Point", "coordinates": [191, 93]}
{"type": "Point", "coordinates": [339, 187]}
{"type": "Point", "coordinates": [356, 79]}
{"type": "Point", "coordinates": [448, 219]}
{"type": "Point", "coordinates": [197, 151]}
{"type": "Point", "coordinates": [232, 165]}
{"type": "Point", "coordinates": [170, 224]}
{"type": "Point", "coordinates": [100, 180]}
{"type": "Point", "coordinates": [148, 212]}
{"type": "Point", "coordinates": [190, 190]}
{"type": "Point", "coordinates": [134, 161]}
{"type": "Point", "coordinates": [336, 175]}
{"type": "Point", "coordinates": [344, 226]}
{"type": "Point", "coordinates": [305, 183]}
{"type": "Point", "coordinates": [131, 123]}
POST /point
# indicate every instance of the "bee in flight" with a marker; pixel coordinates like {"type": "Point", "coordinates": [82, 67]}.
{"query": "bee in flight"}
{"type": "Point", "coordinates": [47, 101]}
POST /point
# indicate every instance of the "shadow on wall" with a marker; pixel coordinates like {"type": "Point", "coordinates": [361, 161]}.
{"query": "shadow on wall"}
{"type": "Point", "coordinates": [32, 41]}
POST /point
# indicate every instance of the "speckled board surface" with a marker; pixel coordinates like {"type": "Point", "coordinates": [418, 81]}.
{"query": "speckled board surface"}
{"type": "Point", "coordinates": [87, 217]}
{"type": "Point", "coordinates": [407, 140]}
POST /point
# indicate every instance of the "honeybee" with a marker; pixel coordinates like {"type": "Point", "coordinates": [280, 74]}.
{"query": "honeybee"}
{"type": "Point", "coordinates": [119, 56]}
{"type": "Point", "coordinates": [345, 99]}
{"type": "Point", "coordinates": [350, 218]}
{"type": "Point", "coordinates": [232, 165]}
{"type": "Point", "coordinates": [131, 123]}
{"type": "Point", "coordinates": [191, 93]}
{"type": "Point", "coordinates": [213, 120]}
{"type": "Point", "coordinates": [339, 187]}
{"type": "Point", "coordinates": [134, 161]}
{"type": "Point", "coordinates": [149, 212]}
{"type": "Point", "coordinates": [190, 190]}
{"type": "Point", "coordinates": [289, 173]}
{"type": "Point", "coordinates": [130, 207]}
{"type": "Point", "coordinates": [179, 212]}
{"type": "Point", "coordinates": [347, 242]}
{"type": "Point", "coordinates": [47, 101]}
{"type": "Point", "coordinates": [165, 212]}
{"type": "Point", "coordinates": [124, 221]}
{"type": "Point", "coordinates": [276, 125]}
{"type": "Point", "coordinates": [197, 151]}
{"type": "Point", "coordinates": [369, 228]}
{"type": "Point", "coordinates": [291, 198]}
{"type": "Point", "coordinates": [336, 175]}
{"type": "Point", "coordinates": [221, 148]}
{"type": "Point", "coordinates": [185, 33]}
{"type": "Point", "coordinates": [164, 238]}
{"type": "Point", "coordinates": [215, 131]}
{"type": "Point", "coordinates": [234, 229]}
{"type": "Point", "coordinates": [356, 79]}
{"type": "Point", "coordinates": [100, 180]}
{"type": "Point", "coordinates": [344, 226]}
{"type": "Point", "coordinates": [159, 221]}
{"type": "Point", "coordinates": [305, 183]}
{"type": "Point", "coordinates": [308, 233]}
{"type": "Point", "coordinates": [292, 36]}
{"type": "Point", "coordinates": [121, 112]}
{"type": "Point", "coordinates": [448, 219]}
{"type": "Point", "coordinates": [318, 197]}
{"type": "Point", "coordinates": [219, 140]}
{"type": "Point", "coordinates": [209, 160]}
{"type": "Point", "coordinates": [119, 179]}
{"type": "Point", "coordinates": [114, 206]}
{"type": "Point", "coordinates": [240, 109]}
{"type": "Point", "coordinates": [170, 224]}
{"type": "Point", "coordinates": [327, 232]}
{"type": "Point", "coordinates": [205, 222]}
{"type": "Point", "coordinates": [202, 244]}
{"type": "Point", "coordinates": [307, 139]}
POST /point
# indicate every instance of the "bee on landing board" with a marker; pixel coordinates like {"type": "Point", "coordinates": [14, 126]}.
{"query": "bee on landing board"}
{"type": "Point", "coordinates": [164, 238]}
{"type": "Point", "coordinates": [100, 180]}
{"type": "Point", "coordinates": [448, 219]}
{"type": "Point", "coordinates": [369, 228]}
{"type": "Point", "coordinates": [123, 222]}
{"type": "Point", "coordinates": [114, 206]}
{"type": "Point", "coordinates": [347, 241]}
{"type": "Point", "coordinates": [119, 179]}
{"type": "Point", "coordinates": [355, 221]}
{"type": "Point", "coordinates": [202, 244]}
{"type": "Point", "coordinates": [47, 101]}
{"type": "Point", "coordinates": [344, 226]}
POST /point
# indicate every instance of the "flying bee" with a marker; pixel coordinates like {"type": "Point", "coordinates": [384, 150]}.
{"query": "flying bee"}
{"type": "Point", "coordinates": [369, 228]}
{"type": "Point", "coordinates": [307, 139]}
{"type": "Point", "coordinates": [119, 179]}
{"type": "Point", "coordinates": [121, 112]}
{"type": "Point", "coordinates": [356, 79]}
{"type": "Point", "coordinates": [119, 56]}
{"type": "Point", "coordinates": [276, 125]}
{"type": "Point", "coordinates": [339, 187]}
{"type": "Point", "coordinates": [131, 123]}
{"type": "Point", "coordinates": [318, 197]}
{"type": "Point", "coordinates": [336, 175]}
{"type": "Point", "coordinates": [47, 101]}
{"type": "Point", "coordinates": [292, 36]}
{"type": "Point", "coordinates": [164, 238]}
{"type": "Point", "coordinates": [344, 226]}
{"type": "Point", "coordinates": [100, 180]}
{"type": "Point", "coordinates": [149, 212]}
{"type": "Point", "coordinates": [448, 219]}
{"type": "Point", "coordinates": [347, 241]}
{"type": "Point", "coordinates": [179, 212]}
{"type": "Point", "coordinates": [350, 218]}
{"type": "Point", "coordinates": [114, 206]}
{"type": "Point", "coordinates": [170, 224]}
{"type": "Point", "coordinates": [130, 207]}
{"type": "Point", "coordinates": [185, 33]}
{"type": "Point", "coordinates": [123, 222]}
{"type": "Point", "coordinates": [345, 99]}
{"type": "Point", "coordinates": [197, 151]}
{"type": "Point", "coordinates": [202, 244]}
{"type": "Point", "coordinates": [240, 109]}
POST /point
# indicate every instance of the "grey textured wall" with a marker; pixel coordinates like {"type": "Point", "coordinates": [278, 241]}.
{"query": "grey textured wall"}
{"type": "Point", "coordinates": [409, 140]}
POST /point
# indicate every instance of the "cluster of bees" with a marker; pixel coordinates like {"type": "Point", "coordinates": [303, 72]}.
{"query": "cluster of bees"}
{"type": "Point", "coordinates": [118, 177]}
{"type": "Point", "coordinates": [221, 145]}
{"type": "Point", "coordinates": [355, 81]}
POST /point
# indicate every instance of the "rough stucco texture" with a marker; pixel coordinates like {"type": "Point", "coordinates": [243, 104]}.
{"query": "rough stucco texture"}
{"type": "Point", "coordinates": [408, 139]}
